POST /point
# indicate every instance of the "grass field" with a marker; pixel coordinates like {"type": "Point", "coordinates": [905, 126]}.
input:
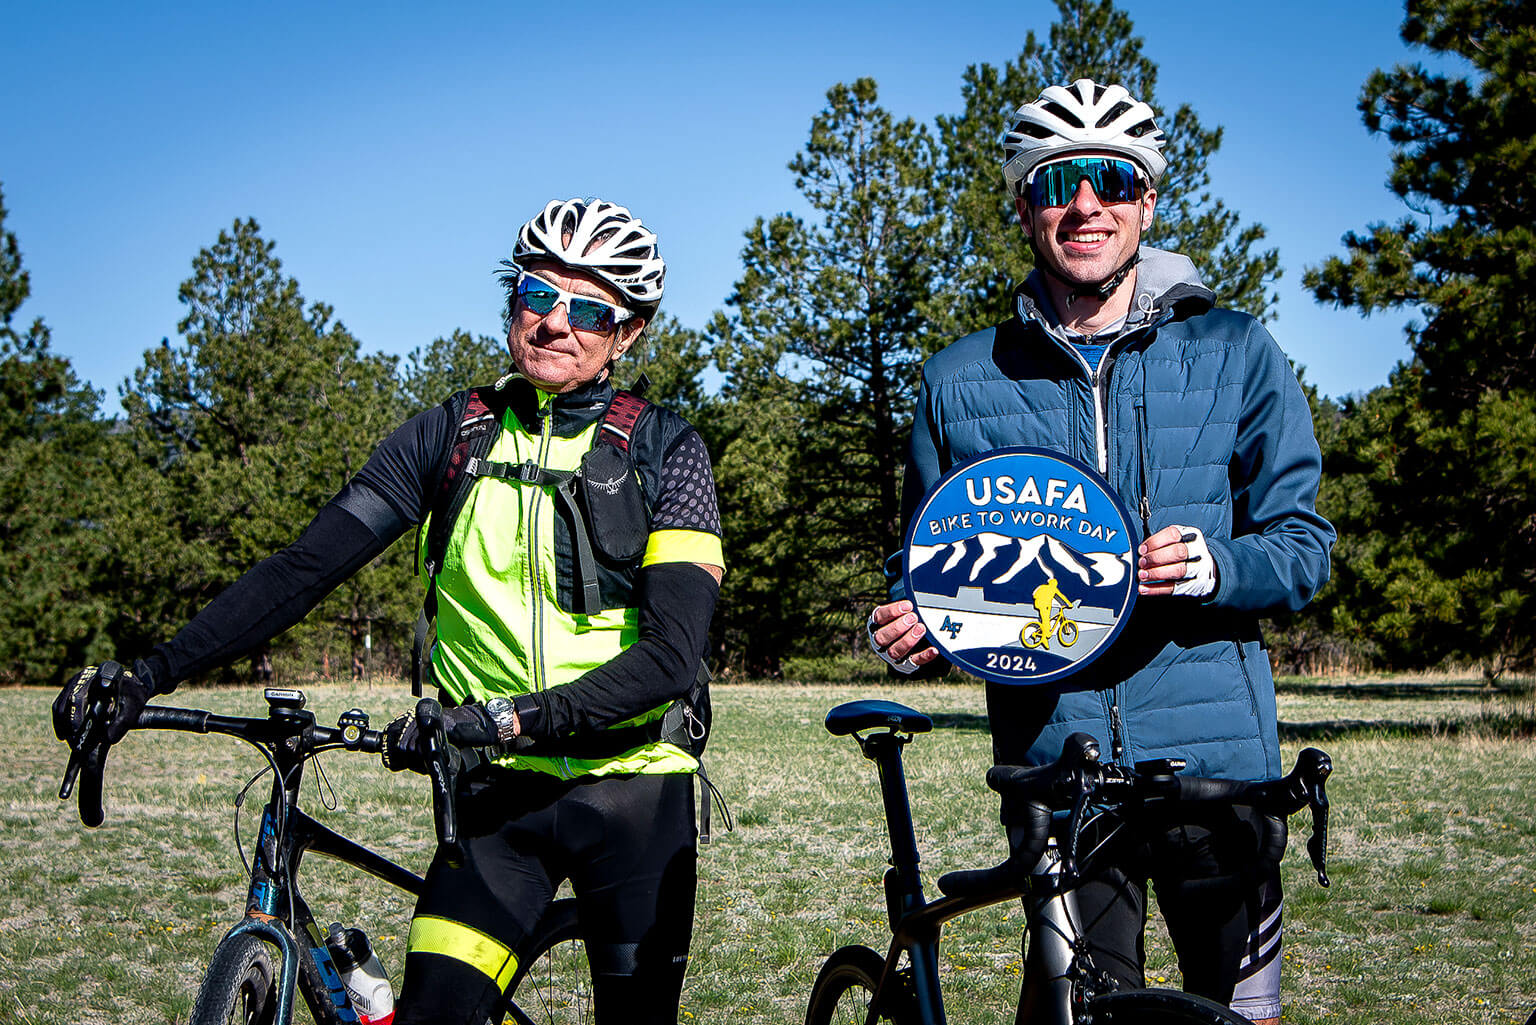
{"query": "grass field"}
{"type": "Point", "coordinates": [1431, 918]}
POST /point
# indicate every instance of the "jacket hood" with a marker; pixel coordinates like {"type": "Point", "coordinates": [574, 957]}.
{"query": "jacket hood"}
{"type": "Point", "coordinates": [1164, 282]}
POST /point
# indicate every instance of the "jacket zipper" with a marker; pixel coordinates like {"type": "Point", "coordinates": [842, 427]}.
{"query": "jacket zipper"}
{"type": "Point", "coordinates": [1116, 732]}
{"type": "Point", "coordinates": [1242, 660]}
{"type": "Point", "coordinates": [1098, 381]}
{"type": "Point", "coordinates": [1145, 506]}
{"type": "Point", "coordinates": [540, 671]}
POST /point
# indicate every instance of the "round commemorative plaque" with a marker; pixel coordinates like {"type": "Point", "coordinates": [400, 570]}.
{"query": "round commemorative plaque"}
{"type": "Point", "coordinates": [1021, 564]}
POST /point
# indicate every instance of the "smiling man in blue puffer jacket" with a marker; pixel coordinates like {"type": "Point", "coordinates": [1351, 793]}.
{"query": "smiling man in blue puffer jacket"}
{"type": "Point", "coordinates": [1117, 355]}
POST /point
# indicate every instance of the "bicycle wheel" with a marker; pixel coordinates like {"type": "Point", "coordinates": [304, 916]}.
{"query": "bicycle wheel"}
{"type": "Point", "coordinates": [845, 986]}
{"type": "Point", "coordinates": [1160, 1007]}
{"type": "Point", "coordinates": [1030, 636]}
{"type": "Point", "coordinates": [240, 987]}
{"type": "Point", "coordinates": [553, 986]}
{"type": "Point", "coordinates": [1068, 634]}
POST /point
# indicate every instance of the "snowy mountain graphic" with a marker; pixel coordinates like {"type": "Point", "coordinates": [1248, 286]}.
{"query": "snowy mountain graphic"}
{"type": "Point", "coordinates": [1007, 569]}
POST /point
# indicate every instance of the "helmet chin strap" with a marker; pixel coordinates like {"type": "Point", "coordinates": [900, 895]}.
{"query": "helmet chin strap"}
{"type": "Point", "coordinates": [1101, 291]}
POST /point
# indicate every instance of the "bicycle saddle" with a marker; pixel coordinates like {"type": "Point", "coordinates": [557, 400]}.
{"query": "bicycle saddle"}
{"type": "Point", "coordinates": [855, 716]}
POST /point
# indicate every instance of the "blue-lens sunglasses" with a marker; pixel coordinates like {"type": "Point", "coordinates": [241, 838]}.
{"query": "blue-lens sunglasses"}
{"type": "Point", "coordinates": [1055, 184]}
{"type": "Point", "coordinates": [583, 312]}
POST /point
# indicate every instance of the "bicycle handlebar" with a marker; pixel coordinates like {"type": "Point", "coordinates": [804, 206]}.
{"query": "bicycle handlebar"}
{"type": "Point", "coordinates": [88, 751]}
{"type": "Point", "coordinates": [1076, 780]}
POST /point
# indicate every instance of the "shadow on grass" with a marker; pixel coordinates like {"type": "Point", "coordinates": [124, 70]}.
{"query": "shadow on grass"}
{"type": "Point", "coordinates": [1387, 690]}
{"type": "Point", "coordinates": [1491, 726]}
{"type": "Point", "coordinates": [968, 721]}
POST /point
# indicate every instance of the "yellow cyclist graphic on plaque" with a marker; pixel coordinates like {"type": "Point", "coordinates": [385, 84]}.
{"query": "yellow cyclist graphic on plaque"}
{"type": "Point", "coordinates": [1050, 624]}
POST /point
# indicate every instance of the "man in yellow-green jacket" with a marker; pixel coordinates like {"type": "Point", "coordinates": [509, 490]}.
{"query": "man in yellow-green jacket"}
{"type": "Point", "coordinates": [572, 546]}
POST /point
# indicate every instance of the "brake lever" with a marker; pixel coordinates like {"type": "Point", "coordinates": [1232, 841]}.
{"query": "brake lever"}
{"type": "Point", "coordinates": [442, 767]}
{"type": "Point", "coordinates": [1074, 827]}
{"type": "Point", "coordinates": [87, 741]}
{"type": "Point", "coordinates": [1316, 766]}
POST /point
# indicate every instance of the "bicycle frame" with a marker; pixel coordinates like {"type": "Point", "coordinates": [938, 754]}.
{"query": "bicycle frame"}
{"type": "Point", "coordinates": [1067, 983]}
{"type": "Point", "coordinates": [274, 883]}
{"type": "Point", "coordinates": [916, 923]}
{"type": "Point", "coordinates": [275, 909]}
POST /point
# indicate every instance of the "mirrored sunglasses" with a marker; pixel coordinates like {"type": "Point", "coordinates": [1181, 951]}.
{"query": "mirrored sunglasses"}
{"type": "Point", "coordinates": [1055, 184]}
{"type": "Point", "coordinates": [583, 312]}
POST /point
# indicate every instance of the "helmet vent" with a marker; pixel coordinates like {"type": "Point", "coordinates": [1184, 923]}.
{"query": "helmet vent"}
{"type": "Point", "coordinates": [1064, 114]}
{"type": "Point", "coordinates": [1114, 113]}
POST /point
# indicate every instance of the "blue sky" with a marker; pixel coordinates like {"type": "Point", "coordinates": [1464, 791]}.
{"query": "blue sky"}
{"type": "Point", "coordinates": [391, 151]}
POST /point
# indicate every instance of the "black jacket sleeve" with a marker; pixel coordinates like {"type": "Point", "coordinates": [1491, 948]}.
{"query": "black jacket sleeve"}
{"type": "Point", "coordinates": [677, 601]}
{"type": "Point", "coordinates": [269, 598]}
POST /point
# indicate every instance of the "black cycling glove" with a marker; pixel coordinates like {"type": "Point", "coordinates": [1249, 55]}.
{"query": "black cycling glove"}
{"type": "Point", "coordinates": [134, 687]}
{"type": "Point", "coordinates": [466, 726]}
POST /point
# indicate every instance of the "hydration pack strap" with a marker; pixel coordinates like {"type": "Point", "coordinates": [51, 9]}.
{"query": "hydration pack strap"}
{"type": "Point", "coordinates": [588, 598]}
{"type": "Point", "coordinates": [623, 413]}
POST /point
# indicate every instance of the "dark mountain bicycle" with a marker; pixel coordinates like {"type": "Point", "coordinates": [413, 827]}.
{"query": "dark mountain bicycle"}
{"type": "Point", "coordinates": [857, 984]}
{"type": "Point", "coordinates": [278, 947]}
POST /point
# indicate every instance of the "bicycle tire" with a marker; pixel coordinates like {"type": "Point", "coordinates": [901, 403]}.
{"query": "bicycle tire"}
{"type": "Point", "coordinates": [240, 986]}
{"type": "Point", "coordinates": [1068, 633]}
{"type": "Point", "coordinates": [1160, 1007]}
{"type": "Point", "coordinates": [845, 986]}
{"type": "Point", "coordinates": [553, 985]}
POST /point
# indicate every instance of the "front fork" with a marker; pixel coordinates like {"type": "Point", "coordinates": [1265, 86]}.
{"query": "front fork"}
{"type": "Point", "coordinates": [1057, 949]}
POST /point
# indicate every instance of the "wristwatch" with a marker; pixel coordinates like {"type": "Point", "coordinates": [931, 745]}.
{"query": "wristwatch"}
{"type": "Point", "coordinates": [504, 714]}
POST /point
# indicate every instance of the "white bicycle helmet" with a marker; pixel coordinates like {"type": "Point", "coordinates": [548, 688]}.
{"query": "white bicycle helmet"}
{"type": "Point", "coordinates": [1077, 117]}
{"type": "Point", "coordinates": [602, 238]}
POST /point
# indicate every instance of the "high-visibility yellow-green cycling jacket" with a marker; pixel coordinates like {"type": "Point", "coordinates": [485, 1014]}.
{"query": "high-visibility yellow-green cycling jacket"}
{"type": "Point", "coordinates": [506, 619]}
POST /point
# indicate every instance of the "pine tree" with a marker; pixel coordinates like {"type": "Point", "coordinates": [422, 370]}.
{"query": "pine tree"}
{"type": "Point", "coordinates": [821, 355]}
{"type": "Point", "coordinates": [433, 372]}
{"type": "Point", "coordinates": [986, 252]}
{"type": "Point", "coordinates": [54, 486]}
{"type": "Point", "coordinates": [243, 431]}
{"type": "Point", "coordinates": [1437, 554]}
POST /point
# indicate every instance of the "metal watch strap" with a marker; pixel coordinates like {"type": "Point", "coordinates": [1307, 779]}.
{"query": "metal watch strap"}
{"type": "Point", "coordinates": [504, 714]}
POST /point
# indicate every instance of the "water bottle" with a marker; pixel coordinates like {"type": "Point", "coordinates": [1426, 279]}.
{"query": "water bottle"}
{"type": "Point", "coordinates": [362, 974]}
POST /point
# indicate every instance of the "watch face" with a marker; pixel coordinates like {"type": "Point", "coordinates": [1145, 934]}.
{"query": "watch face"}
{"type": "Point", "coordinates": [498, 706]}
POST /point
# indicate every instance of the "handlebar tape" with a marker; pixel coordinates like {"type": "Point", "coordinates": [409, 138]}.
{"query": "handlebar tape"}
{"type": "Point", "coordinates": [192, 720]}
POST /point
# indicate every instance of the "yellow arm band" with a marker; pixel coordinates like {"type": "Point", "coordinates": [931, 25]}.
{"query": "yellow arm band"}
{"type": "Point", "coordinates": [684, 546]}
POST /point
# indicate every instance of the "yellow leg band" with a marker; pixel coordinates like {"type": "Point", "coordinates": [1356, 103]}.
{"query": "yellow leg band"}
{"type": "Point", "coordinates": [431, 935]}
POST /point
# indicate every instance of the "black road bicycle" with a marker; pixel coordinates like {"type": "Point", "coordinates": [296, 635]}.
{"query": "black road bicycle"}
{"type": "Point", "coordinates": [858, 985]}
{"type": "Point", "coordinates": [278, 947]}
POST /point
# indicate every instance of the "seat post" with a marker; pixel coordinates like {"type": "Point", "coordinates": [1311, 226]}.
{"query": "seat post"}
{"type": "Point", "coordinates": [884, 749]}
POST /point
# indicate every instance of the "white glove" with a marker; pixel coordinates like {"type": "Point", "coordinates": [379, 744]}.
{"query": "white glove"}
{"type": "Point", "coordinates": [1199, 568]}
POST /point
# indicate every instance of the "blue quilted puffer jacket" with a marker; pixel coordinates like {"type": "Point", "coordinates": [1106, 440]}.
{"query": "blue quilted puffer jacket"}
{"type": "Point", "coordinates": [1195, 418]}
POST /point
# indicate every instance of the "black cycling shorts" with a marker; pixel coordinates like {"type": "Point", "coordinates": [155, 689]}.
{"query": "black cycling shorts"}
{"type": "Point", "coordinates": [627, 845]}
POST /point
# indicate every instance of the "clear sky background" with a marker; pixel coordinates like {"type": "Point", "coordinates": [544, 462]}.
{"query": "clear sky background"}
{"type": "Point", "coordinates": [391, 150]}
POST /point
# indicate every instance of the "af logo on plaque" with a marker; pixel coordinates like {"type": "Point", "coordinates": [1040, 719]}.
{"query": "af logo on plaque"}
{"type": "Point", "coordinates": [1021, 565]}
